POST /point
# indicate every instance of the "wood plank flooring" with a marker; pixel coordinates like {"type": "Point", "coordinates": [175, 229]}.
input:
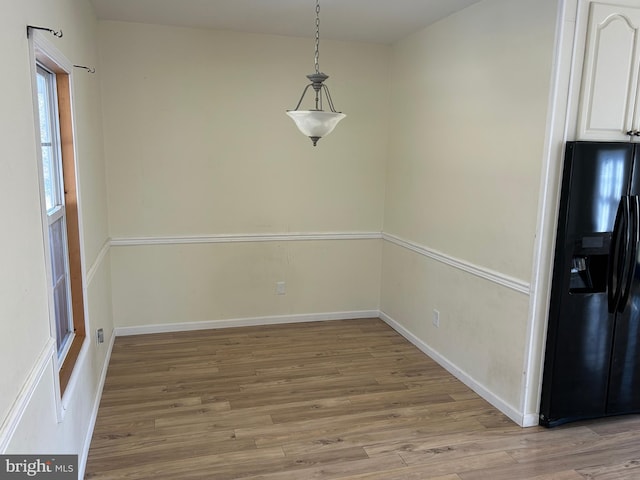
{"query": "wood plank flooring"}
{"type": "Point", "coordinates": [328, 400]}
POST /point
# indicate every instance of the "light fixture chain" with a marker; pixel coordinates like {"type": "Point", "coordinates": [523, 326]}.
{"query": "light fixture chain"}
{"type": "Point", "coordinates": [317, 57]}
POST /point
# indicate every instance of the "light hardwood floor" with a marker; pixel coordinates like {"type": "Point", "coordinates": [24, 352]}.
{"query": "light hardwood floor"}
{"type": "Point", "coordinates": [329, 400]}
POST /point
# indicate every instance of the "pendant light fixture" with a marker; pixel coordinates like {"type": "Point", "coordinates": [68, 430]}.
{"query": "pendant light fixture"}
{"type": "Point", "coordinates": [316, 123]}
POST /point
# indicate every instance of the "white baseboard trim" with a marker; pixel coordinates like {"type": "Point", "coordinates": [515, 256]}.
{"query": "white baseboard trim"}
{"type": "Point", "coordinates": [19, 407]}
{"type": "Point", "coordinates": [465, 378]}
{"type": "Point", "coordinates": [245, 322]}
{"type": "Point", "coordinates": [82, 461]}
{"type": "Point", "coordinates": [530, 420]}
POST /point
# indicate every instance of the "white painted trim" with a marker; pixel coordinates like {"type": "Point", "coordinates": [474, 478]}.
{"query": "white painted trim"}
{"type": "Point", "coordinates": [20, 405]}
{"type": "Point", "coordinates": [38, 43]}
{"type": "Point", "coordinates": [242, 238]}
{"type": "Point", "coordinates": [245, 322]}
{"type": "Point", "coordinates": [496, 277]}
{"type": "Point", "coordinates": [42, 44]}
{"type": "Point", "coordinates": [73, 379]}
{"type": "Point", "coordinates": [460, 374]}
{"type": "Point", "coordinates": [504, 280]}
{"type": "Point", "coordinates": [42, 50]}
{"type": "Point", "coordinates": [94, 412]}
{"type": "Point", "coordinates": [98, 261]}
{"type": "Point", "coordinates": [557, 130]}
{"type": "Point", "coordinates": [530, 420]}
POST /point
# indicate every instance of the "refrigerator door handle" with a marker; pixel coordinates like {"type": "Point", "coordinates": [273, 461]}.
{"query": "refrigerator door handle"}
{"type": "Point", "coordinates": [630, 260]}
{"type": "Point", "coordinates": [617, 253]}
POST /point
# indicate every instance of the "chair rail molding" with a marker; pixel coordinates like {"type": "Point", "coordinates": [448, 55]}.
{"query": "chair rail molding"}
{"type": "Point", "coordinates": [496, 277]}
{"type": "Point", "coordinates": [242, 238]}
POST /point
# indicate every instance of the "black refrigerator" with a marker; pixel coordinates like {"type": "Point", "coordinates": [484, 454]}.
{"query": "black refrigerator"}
{"type": "Point", "coordinates": [592, 355]}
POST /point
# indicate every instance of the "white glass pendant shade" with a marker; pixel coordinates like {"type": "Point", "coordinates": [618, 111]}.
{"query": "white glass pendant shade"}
{"type": "Point", "coordinates": [315, 124]}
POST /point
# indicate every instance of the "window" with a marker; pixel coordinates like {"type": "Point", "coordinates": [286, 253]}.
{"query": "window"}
{"type": "Point", "coordinates": [52, 94]}
{"type": "Point", "coordinates": [53, 183]}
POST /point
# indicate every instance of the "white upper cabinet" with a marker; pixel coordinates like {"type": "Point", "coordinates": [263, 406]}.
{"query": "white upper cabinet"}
{"type": "Point", "coordinates": [610, 97]}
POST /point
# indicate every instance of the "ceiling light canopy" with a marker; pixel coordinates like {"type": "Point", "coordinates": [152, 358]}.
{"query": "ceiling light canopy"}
{"type": "Point", "coordinates": [316, 123]}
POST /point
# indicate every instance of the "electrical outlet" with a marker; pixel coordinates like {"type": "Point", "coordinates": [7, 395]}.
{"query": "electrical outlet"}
{"type": "Point", "coordinates": [100, 335]}
{"type": "Point", "coordinates": [281, 288]}
{"type": "Point", "coordinates": [436, 318]}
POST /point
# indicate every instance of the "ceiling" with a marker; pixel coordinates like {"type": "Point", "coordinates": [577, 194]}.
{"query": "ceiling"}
{"type": "Point", "coordinates": [376, 21]}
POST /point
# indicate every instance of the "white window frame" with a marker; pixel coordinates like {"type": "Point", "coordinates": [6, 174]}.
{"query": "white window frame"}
{"type": "Point", "coordinates": [42, 51]}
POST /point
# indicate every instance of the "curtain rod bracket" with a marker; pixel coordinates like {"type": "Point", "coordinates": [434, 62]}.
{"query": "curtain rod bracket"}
{"type": "Point", "coordinates": [55, 33]}
{"type": "Point", "coordinates": [88, 69]}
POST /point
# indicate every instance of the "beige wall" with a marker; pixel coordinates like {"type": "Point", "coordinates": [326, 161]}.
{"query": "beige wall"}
{"type": "Point", "coordinates": [167, 284]}
{"type": "Point", "coordinates": [470, 100]}
{"type": "Point", "coordinates": [198, 144]}
{"type": "Point", "coordinates": [468, 127]}
{"type": "Point", "coordinates": [482, 326]}
{"type": "Point", "coordinates": [29, 424]}
{"type": "Point", "coordinates": [23, 295]}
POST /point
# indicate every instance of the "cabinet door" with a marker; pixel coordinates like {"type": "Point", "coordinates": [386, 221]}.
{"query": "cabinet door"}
{"type": "Point", "coordinates": [609, 99]}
